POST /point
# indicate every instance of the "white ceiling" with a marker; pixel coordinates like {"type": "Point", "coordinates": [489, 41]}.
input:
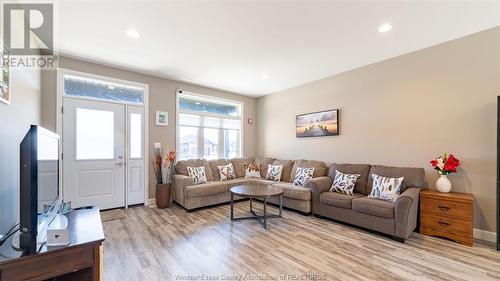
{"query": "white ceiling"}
{"type": "Point", "coordinates": [230, 45]}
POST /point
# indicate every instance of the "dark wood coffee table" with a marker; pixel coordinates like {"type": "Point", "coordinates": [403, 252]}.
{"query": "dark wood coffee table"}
{"type": "Point", "coordinates": [257, 191]}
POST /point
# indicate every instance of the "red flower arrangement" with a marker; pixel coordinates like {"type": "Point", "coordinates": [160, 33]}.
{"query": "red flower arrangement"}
{"type": "Point", "coordinates": [445, 165]}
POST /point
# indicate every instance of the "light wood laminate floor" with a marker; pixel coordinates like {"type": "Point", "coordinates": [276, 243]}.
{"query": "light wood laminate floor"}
{"type": "Point", "coordinates": [172, 244]}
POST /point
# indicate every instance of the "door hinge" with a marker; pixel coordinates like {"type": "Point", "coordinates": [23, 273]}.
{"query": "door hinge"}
{"type": "Point", "coordinates": [62, 156]}
{"type": "Point", "coordinates": [62, 110]}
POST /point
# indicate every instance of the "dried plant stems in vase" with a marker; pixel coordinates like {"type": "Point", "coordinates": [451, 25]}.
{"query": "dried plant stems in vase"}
{"type": "Point", "coordinates": [163, 166]}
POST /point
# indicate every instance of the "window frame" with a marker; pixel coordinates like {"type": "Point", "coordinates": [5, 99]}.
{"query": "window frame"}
{"type": "Point", "coordinates": [201, 147]}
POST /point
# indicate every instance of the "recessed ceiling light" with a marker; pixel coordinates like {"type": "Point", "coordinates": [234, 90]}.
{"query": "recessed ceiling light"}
{"type": "Point", "coordinates": [265, 76]}
{"type": "Point", "coordinates": [133, 33]}
{"type": "Point", "coordinates": [111, 87]}
{"type": "Point", "coordinates": [384, 27]}
{"type": "Point", "coordinates": [197, 103]}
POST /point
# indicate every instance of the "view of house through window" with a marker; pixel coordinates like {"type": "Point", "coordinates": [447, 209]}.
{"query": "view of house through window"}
{"type": "Point", "coordinates": [208, 128]}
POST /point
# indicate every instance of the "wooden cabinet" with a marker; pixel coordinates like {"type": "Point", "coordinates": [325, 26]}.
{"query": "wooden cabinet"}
{"type": "Point", "coordinates": [447, 215]}
{"type": "Point", "coordinates": [81, 260]}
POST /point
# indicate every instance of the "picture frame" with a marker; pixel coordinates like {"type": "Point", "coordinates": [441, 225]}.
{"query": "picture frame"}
{"type": "Point", "coordinates": [317, 124]}
{"type": "Point", "coordinates": [5, 94]}
{"type": "Point", "coordinates": [161, 118]}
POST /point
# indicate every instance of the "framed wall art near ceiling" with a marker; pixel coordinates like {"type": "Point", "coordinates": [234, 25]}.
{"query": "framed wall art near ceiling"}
{"type": "Point", "coordinates": [4, 79]}
{"type": "Point", "coordinates": [317, 124]}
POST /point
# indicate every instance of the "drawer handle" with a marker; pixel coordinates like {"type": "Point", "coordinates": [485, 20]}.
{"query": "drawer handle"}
{"type": "Point", "coordinates": [444, 223]}
{"type": "Point", "coordinates": [444, 208]}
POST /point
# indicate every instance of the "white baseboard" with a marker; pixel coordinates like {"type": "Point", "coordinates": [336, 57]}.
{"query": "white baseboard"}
{"type": "Point", "coordinates": [484, 235]}
{"type": "Point", "coordinates": [151, 202]}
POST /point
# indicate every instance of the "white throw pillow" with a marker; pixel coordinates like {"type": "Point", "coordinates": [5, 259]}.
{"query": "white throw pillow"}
{"type": "Point", "coordinates": [226, 172]}
{"type": "Point", "coordinates": [302, 175]}
{"type": "Point", "coordinates": [274, 172]}
{"type": "Point", "coordinates": [252, 170]}
{"type": "Point", "coordinates": [384, 188]}
{"type": "Point", "coordinates": [197, 174]}
{"type": "Point", "coordinates": [344, 183]}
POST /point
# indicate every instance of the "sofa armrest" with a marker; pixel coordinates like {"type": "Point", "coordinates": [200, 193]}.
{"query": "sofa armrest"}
{"type": "Point", "coordinates": [179, 183]}
{"type": "Point", "coordinates": [317, 186]}
{"type": "Point", "coordinates": [406, 212]}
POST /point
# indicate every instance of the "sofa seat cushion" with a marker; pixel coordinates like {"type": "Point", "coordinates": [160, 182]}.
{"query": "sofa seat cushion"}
{"type": "Point", "coordinates": [206, 189]}
{"type": "Point", "coordinates": [294, 192]}
{"type": "Point", "coordinates": [237, 181]}
{"type": "Point", "coordinates": [374, 207]}
{"type": "Point", "coordinates": [261, 181]}
{"type": "Point", "coordinates": [340, 200]}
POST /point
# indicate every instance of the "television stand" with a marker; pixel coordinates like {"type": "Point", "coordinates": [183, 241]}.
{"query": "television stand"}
{"type": "Point", "coordinates": [80, 260]}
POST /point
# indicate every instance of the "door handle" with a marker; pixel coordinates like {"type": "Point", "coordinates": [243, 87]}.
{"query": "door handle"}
{"type": "Point", "coordinates": [119, 164]}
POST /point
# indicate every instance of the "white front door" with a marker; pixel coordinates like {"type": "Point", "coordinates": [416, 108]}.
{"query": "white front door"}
{"type": "Point", "coordinates": [94, 153]}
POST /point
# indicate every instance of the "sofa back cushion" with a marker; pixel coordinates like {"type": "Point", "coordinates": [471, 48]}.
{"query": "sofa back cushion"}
{"type": "Point", "coordinates": [413, 177]}
{"type": "Point", "coordinates": [181, 167]}
{"type": "Point", "coordinates": [287, 169]}
{"type": "Point", "coordinates": [319, 167]}
{"type": "Point", "coordinates": [215, 170]}
{"type": "Point", "coordinates": [239, 165]}
{"type": "Point", "coordinates": [362, 169]}
{"type": "Point", "coordinates": [264, 162]}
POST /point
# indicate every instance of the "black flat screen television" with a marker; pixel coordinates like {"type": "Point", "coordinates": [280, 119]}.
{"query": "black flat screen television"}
{"type": "Point", "coordinates": [39, 186]}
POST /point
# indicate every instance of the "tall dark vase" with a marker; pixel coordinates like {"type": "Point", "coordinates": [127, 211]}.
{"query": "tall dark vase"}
{"type": "Point", "coordinates": [163, 195]}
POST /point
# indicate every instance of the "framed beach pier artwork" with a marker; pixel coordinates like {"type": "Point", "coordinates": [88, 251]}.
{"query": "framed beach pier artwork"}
{"type": "Point", "coordinates": [317, 124]}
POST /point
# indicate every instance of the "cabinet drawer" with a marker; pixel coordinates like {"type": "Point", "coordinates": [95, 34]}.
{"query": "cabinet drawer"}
{"type": "Point", "coordinates": [44, 266]}
{"type": "Point", "coordinates": [447, 225]}
{"type": "Point", "coordinates": [446, 208]}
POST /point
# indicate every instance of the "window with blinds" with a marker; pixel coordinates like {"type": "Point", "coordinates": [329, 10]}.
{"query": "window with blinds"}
{"type": "Point", "coordinates": [208, 128]}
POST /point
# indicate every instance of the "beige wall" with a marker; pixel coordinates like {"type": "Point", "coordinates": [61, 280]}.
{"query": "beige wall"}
{"type": "Point", "coordinates": [403, 112]}
{"type": "Point", "coordinates": [162, 93]}
{"type": "Point", "coordinates": [16, 118]}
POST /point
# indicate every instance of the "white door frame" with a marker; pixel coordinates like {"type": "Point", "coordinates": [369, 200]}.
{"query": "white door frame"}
{"type": "Point", "coordinates": [59, 122]}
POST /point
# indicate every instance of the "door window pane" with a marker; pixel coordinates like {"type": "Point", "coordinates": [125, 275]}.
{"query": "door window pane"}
{"type": "Point", "coordinates": [188, 142]}
{"type": "Point", "coordinates": [231, 143]}
{"type": "Point", "coordinates": [135, 135]}
{"type": "Point", "coordinates": [92, 88]}
{"type": "Point", "coordinates": [94, 134]}
{"type": "Point", "coordinates": [211, 143]}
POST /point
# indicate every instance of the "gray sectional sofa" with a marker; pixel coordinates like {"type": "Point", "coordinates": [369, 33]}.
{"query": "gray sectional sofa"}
{"type": "Point", "coordinates": [215, 191]}
{"type": "Point", "coordinates": [396, 219]}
